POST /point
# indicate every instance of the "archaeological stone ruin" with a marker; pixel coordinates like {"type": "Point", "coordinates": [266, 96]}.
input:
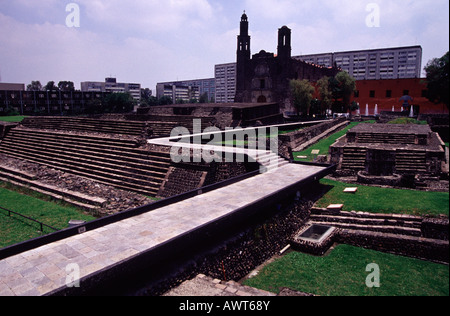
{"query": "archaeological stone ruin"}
{"type": "Point", "coordinates": [389, 153]}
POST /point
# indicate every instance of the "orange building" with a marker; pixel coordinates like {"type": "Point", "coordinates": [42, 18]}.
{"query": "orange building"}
{"type": "Point", "coordinates": [385, 95]}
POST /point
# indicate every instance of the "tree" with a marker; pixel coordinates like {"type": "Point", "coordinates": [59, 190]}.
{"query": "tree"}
{"type": "Point", "coordinates": [147, 99]}
{"type": "Point", "coordinates": [347, 86]}
{"type": "Point", "coordinates": [302, 93]}
{"type": "Point", "coordinates": [203, 98]}
{"type": "Point", "coordinates": [50, 86]}
{"type": "Point", "coordinates": [118, 103]}
{"type": "Point", "coordinates": [66, 86]}
{"type": "Point", "coordinates": [437, 71]}
{"type": "Point", "coordinates": [325, 93]}
{"type": "Point", "coordinates": [34, 86]}
{"type": "Point", "coordinates": [165, 100]}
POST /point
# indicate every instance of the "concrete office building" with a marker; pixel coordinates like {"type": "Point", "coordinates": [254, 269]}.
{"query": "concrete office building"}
{"type": "Point", "coordinates": [111, 85]}
{"type": "Point", "coordinates": [12, 87]}
{"type": "Point", "coordinates": [188, 89]}
{"type": "Point", "coordinates": [225, 75]}
{"type": "Point", "coordinates": [177, 92]}
{"type": "Point", "coordinates": [374, 64]}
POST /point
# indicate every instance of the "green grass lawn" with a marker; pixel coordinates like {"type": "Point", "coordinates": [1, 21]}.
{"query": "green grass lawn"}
{"type": "Point", "coordinates": [324, 144]}
{"type": "Point", "coordinates": [343, 273]}
{"type": "Point", "coordinates": [384, 200]}
{"type": "Point", "coordinates": [12, 119]}
{"type": "Point", "coordinates": [16, 229]}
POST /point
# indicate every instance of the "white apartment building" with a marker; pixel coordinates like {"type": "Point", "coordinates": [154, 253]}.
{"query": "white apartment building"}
{"type": "Point", "coordinates": [375, 64]}
{"type": "Point", "coordinates": [177, 92]}
{"type": "Point", "coordinates": [202, 86]}
{"type": "Point", "coordinates": [225, 75]}
{"type": "Point", "coordinates": [111, 85]}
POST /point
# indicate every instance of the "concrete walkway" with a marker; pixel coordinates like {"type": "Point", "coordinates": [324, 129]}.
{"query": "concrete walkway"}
{"type": "Point", "coordinates": [49, 268]}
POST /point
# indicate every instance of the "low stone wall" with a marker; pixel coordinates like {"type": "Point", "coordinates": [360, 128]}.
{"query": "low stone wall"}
{"type": "Point", "coordinates": [439, 123]}
{"type": "Point", "coordinates": [181, 180]}
{"type": "Point", "coordinates": [295, 139]}
{"type": "Point", "coordinates": [394, 180]}
{"type": "Point", "coordinates": [414, 236]}
{"type": "Point", "coordinates": [422, 248]}
{"type": "Point", "coordinates": [436, 228]}
{"type": "Point", "coordinates": [5, 127]}
{"type": "Point", "coordinates": [187, 177]}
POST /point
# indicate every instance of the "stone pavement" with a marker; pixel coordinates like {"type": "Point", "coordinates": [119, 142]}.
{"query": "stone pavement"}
{"type": "Point", "coordinates": [206, 286]}
{"type": "Point", "coordinates": [48, 268]}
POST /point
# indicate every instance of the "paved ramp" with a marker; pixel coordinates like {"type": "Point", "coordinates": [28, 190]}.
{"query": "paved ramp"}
{"type": "Point", "coordinates": [46, 269]}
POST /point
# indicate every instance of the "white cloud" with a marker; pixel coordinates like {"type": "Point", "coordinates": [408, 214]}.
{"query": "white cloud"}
{"type": "Point", "coordinates": [148, 16]}
{"type": "Point", "coordinates": [54, 52]}
{"type": "Point", "coordinates": [150, 41]}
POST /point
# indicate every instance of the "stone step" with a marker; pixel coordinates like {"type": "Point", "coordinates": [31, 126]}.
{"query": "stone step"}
{"type": "Point", "coordinates": [407, 231]}
{"type": "Point", "coordinates": [117, 151]}
{"type": "Point", "coordinates": [138, 177]}
{"type": "Point", "coordinates": [67, 135]}
{"type": "Point", "coordinates": [82, 128]}
{"type": "Point", "coordinates": [275, 166]}
{"type": "Point", "coordinates": [94, 158]}
{"type": "Point", "coordinates": [108, 179]}
{"type": "Point", "coordinates": [409, 225]}
{"type": "Point", "coordinates": [159, 169]}
{"type": "Point", "coordinates": [22, 174]}
{"type": "Point", "coordinates": [404, 217]}
{"type": "Point", "coordinates": [91, 204]}
{"type": "Point", "coordinates": [78, 119]}
{"type": "Point", "coordinates": [75, 139]}
{"type": "Point", "coordinates": [86, 124]}
{"type": "Point", "coordinates": [366, 220]}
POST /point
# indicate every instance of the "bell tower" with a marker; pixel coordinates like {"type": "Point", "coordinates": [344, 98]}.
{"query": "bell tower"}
{"type": "Point", "coordinates": [243, 55]}
{"type": "Point", "coordinates": [284, 43]}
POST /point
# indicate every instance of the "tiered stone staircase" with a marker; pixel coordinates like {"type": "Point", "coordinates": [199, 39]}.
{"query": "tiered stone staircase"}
{"type": "Point", "coordinates": [424, 238]}
{"type": "Point", "coordinates": [162, 126]}
{"type": "Point", "coordinates": [387, 223]}
{"type": "Point", "coordinates": [354, 158]}
{"type": "Point", "coordinates": [270, 161]}
{"type": "Point", "coordinates": [23, 179]}
{"type": "Point", "coordinates": [414, 162]}
{"type": "Point", "coordinates": [385, 138]}
{"type": "Point", "coordinates": [109, 161]}
{"type": "Point", "coordinates": [86, 125]}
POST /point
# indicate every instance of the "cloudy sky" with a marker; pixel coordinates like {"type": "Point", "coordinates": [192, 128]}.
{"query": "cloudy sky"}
{"type": "Point", "coordinates": [150, 41]}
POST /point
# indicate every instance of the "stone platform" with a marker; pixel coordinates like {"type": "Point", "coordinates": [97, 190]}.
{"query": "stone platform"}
{"type": "Point", "coordinates": [47, 269]}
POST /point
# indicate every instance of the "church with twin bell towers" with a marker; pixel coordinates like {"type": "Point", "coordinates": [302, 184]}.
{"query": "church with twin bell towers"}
{"type": "Point", "coordinates": [264, 77]}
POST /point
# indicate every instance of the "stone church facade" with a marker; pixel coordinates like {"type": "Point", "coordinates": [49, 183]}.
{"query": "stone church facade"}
{"type": "Point", "coordinates": [264, 77]}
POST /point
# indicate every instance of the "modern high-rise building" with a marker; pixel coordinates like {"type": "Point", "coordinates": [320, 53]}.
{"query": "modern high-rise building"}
{"type": "Point", "coordinates": [374, 64]}
{"type": "Point", "coordinates": [177, 92]}
{"type": "Point", "coordinates": [111, 85]}
{"type": "Point", "coordinates": [225, 82]}
{"type": "Point", "coordinates": [188, 89]}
